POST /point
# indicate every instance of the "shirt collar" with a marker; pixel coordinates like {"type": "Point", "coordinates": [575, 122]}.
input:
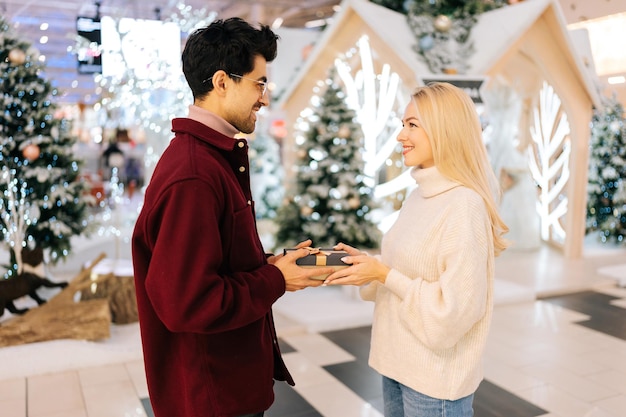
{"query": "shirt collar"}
{"type": "Point", "coordinates": [212, 120]}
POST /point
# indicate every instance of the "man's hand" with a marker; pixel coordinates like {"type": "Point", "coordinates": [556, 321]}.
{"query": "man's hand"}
{"type": "Point", "coordinates": [272, 259]}
{"type": "Point", "coordinates": [296, 277]}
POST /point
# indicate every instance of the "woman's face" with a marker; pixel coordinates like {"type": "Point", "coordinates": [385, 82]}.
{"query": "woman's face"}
{"type": "Point", "coordinates": [416, 148]}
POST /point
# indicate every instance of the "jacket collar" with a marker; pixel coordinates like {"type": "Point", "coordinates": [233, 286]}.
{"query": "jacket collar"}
{"type": "Point", "coordinates": [206, 134]}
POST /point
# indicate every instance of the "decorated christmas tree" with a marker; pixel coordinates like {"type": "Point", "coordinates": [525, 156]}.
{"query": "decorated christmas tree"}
{"type": "Point", "coordinates": [42, 202]}
{"type": "Point", "coordinates": [606, 200]}
{"type": "Point", "coordinates": [266, 176]}
{"type": "Point", "coordinates": [331, 202]}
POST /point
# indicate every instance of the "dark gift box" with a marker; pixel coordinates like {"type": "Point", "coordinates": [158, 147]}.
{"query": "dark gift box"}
{"type": "Point", "coordinates": [320, 257]}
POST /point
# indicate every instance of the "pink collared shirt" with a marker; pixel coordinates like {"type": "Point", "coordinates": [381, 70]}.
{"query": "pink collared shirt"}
{"type": "Point", "coordinates": [212, 120]}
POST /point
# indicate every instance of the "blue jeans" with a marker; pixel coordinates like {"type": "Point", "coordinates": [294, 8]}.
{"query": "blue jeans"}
{"type": "Point", "coordinates": [402, 401]}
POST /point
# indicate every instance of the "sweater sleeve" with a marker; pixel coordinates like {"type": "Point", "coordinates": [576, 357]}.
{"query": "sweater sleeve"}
{"type": "Point", "coordinates": [441, 311]}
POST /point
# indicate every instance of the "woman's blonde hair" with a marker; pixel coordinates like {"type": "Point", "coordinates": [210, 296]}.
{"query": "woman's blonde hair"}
{"type": "Point", "coordinates": [449, 118]}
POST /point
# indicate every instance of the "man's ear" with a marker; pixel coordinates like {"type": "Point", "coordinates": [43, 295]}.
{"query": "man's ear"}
{"type": "Point", "coordinates": [219, 79]}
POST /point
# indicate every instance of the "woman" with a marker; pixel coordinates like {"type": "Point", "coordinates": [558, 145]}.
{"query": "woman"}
{"type": "Point", "coordinates": [433, 282]}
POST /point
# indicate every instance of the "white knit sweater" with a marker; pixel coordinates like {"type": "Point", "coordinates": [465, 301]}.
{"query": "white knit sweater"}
{"type": "Point", "coordinates": [433, 313]}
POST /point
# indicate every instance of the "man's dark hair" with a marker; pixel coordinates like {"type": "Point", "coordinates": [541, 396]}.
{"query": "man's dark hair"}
{"type": "Point", "coordinates": [230, 45]}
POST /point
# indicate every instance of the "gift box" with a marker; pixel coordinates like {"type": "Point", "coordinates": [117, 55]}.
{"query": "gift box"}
{"type": "Point", "coordinates": [320, 257]}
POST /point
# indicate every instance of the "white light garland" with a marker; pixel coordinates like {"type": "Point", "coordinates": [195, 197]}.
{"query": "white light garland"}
{"type": "Point", "coordinates": [16, 214]}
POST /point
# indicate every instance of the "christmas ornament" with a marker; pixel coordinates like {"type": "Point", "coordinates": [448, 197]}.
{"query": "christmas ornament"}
{"type": "Point", "coordinates": [17, 56]}
{"type": "Point", "coordinates": [354, 202]}
{"type": "Point", "coordinates": [442, 23]}
{"type": "Point", "coordinates": [344, 132]}
{"type": "Point", "coordinates": [31, 152]}
{"type": "Point", "coordinates": [426, 43]}
{"type": "Point", "coordinates": [615, 127]}
{"type": "Point", "coordinates": [306, 211]}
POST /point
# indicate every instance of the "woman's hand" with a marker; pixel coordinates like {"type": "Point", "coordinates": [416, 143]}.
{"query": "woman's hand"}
{"type": "Point", "coordinates": [347, 248]}
{"type": "Point", "coordinates": [363, 270]}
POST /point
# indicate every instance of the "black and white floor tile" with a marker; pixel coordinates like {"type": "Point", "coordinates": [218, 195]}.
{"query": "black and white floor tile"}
{"type": "Point", "coordinates": [554, 356]}
{"type": "Point", "coordinates": [560, 356]}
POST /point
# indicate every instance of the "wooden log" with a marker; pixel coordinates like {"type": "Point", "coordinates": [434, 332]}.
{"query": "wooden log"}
{"type": "Point", "coordinates": [120, 291]}
{"type": "Point", "coordinates": [64, 316]}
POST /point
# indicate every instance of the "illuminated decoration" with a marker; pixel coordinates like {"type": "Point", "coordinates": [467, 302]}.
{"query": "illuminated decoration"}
{"type": "Point", "coordinates": [16, 214]}
{"type": "Point", "coordinates": [146, 48]}
{"type": "Point", "coordinates": [549, 162]}
{"type": "Point", "coordinates": [142, 82]}
{"type": "Point", "coordinates": [376, 99]}
{"type": "Point", "coordinates": [89, 53]}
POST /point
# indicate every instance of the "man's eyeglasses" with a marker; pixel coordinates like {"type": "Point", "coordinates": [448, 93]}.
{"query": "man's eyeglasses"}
{"type": "Point", "coordinates": [262, 84]}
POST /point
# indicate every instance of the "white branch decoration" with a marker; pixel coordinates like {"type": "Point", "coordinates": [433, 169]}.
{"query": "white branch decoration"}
{"type": "Point", "coordinates": [15, 215]}
{"type": "Point", "coordinates": [549, 162]}
{"type": "Point", "coordinates": [373, 110]}
{"type": "Point", "coordinates": [375, 98]}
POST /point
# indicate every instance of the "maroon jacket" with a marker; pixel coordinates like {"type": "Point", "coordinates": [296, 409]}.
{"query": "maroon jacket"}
{"type": "Point", "coordinates": [204, 288]}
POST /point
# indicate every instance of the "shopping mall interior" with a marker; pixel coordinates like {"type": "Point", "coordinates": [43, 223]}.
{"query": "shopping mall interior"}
{"type": "Point", "coordinates": [558, 336]}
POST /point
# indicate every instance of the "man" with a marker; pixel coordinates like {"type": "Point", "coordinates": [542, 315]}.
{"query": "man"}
{"type": "Point", "coordinates": [205, 287]}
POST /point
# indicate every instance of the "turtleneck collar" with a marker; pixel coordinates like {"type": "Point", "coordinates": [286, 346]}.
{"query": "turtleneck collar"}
{"type": "Point", "coordinates": [431, 182]}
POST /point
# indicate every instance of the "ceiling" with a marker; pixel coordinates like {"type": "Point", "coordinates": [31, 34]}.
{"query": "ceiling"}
{"type": "Point", "coordinates": [61, 66]}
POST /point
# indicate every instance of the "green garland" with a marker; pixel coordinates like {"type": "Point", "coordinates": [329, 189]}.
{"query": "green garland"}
{"type": "Point", "coordinates": [442, 29]}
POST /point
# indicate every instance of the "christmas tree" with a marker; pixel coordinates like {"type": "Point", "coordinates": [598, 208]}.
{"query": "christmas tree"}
{"type": "Point", "coordinates": [266, 176]}
{"type": "Point", "coordinates": [332, 202]}
{"type": "Point", "coordinates": [606, 200]}
{"type": "Point", "coordinates": [42, 204]}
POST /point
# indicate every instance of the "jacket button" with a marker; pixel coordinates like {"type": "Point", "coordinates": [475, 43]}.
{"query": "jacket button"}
{"type": "Point", "coordinates": [240, 144]}
{"type": "Point", "coordinates": [242, 169]}
{"type": "Point", "coordinates": [249, 202]}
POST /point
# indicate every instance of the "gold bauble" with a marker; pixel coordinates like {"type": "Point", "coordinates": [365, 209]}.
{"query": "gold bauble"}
{"type": "Point", "coordinates": [442, 23]}
{"type": "Point", "coordinates": [344, 132]}
{"type": "Point", "coordinates": [31, 152]}
{"type": "Point", "coordinates": [17, 56]}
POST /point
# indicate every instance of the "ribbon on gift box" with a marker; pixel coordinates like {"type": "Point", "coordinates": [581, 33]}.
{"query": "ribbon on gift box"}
{"type": "Point", "coordinates": [320, 255]}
